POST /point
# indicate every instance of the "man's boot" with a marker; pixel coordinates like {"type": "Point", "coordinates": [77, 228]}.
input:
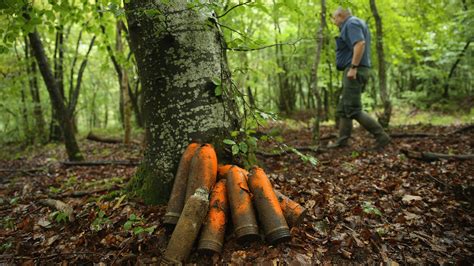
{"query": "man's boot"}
{"type": "Point", "coordinates": [371, 125]}
{"type": "Point", "coordinates": [345, 129]}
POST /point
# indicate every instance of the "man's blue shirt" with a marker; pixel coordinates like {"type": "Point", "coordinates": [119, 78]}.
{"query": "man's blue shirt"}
{"type": "Point", "coordinates": [352, 30]}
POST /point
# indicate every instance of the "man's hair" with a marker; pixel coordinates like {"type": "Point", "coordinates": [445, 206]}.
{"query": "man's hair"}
{"type": "Point", "coordinates": [343, 10]}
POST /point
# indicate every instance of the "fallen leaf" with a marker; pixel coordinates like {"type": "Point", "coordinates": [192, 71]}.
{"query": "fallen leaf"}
{"type": "Point", "coordinates": [409, 199]}
{"type": "Point", "coordinates": [51, 240]}
{"type": "Point", "coordinates": [301, 259]}
{"type": "Point", "coordinates": [44, 222]}
{"type": "Point", "coordinates": [410, 216]}
{"type": "Point", "coordinates": [346, 254]}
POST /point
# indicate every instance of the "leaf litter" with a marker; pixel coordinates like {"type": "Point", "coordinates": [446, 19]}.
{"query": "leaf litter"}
{"type": "Point", "coordinates": [363, 207]}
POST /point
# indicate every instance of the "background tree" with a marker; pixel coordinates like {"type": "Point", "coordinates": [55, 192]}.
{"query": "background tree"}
{"type": "Point", "coordinates": [314, 80]}
{"type": "Point", "coordinates": [384, 95]}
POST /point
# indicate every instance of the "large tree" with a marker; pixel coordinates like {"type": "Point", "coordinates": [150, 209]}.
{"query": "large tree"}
{"type": "Point", "coordinates": [182, 67]}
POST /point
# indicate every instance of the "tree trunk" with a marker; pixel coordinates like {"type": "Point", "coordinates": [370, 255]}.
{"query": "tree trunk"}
{"type": "Point", "coordinates": [135, 98]}
{"type": "Point", "coordinates": [23, 108]}
{"type": "Point", "coordinates": [286, 97]}
{"type": "Point", "coordinates": [384, 95]}
{"type": "Point", "coordinates": [177, 60]}
{"type": "Point", "coordinates": [314, 83]}
{"type": "Point", "coordinates": [31, 71]}
{"type": "Point", "coordinates": [57, 101]}
{"type": "Point", "coordinates": [55, 133]}
{"type": "Point", "coordinates": [124, 89]}
{"type": "Point", "coordinates": [132, 97]}
{"type": "Point", "coordinates": [451, 72]}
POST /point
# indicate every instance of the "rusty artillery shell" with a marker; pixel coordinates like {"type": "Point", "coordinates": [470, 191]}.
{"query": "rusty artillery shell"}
{"type": "Point", "coordinates": [293, 212]}
{"type": "Point", "coordinates": [187, 228]}
{"type": "Point", "coordinates": [203, 170]}
{"type": "Point", "coordinates": [178, 193]}
{"type": "Point", "coordinates": [241, 209]}
{"type": "Point", "coordinates": [212, 235]}
{"type": "Point", "coordinates": [268, 208]}
{"type": "Point", "coordinates": [222, 170]}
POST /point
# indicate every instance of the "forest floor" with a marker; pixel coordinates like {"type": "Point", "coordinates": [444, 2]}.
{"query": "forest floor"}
{"type": "Point", "coordinates": [363, 207]}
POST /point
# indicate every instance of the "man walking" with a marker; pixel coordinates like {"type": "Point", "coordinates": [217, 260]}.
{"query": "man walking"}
{"type": "Point", "coordinates": [353, 57]}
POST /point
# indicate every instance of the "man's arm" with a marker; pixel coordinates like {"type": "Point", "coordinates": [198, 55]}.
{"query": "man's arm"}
{"type": "Point", "coordinates": [359, 49]}
{"type": "Point", "coordinates": [358, 52]}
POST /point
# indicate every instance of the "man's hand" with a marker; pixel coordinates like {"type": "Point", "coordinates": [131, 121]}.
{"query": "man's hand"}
{"type": "Point", "coordinates": [352, 73]}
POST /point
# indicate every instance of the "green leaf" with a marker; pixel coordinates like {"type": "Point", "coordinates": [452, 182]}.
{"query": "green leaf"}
{"type": "Point", "coordinates": [150, 229]}
{"type": "Point", "coordinates": [234, 133]}
{"type": "Point", "coordinates": [243, 147]}
{"type": "Point", "coordinates": [216, 81]}
{"type": "Point", "coordinates": [229, 142]}
{"type": "Point", "coordinates": [14, 200]}
{"type": "Point", "coordinates": [138, 230]}
{"type": "Point", "coordinates": [151, 12]}
{"type": "Point", "coordinates": [128, 225]}
{"type": "Point", "coordinates": [368, 208]}
{"type": "Point", "coordinates": [218, 90]}
{"type": "Point", "coordinates": [61, 217]}
{"type": "Point", "coordinates": [252, 142]}
{"type": "Point", "coordinates": [235, 149]}
{"type": "Point", "coordinates": [312, 160]}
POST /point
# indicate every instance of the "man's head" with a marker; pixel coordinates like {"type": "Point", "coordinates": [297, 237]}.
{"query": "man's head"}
{"type": "Point", "coordinates": [340, 15]}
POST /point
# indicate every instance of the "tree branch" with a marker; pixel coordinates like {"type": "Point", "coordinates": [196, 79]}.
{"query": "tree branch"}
{"type": "Point", "coordinates": [240, 49]}
{"type": "Point", "coordinates": [74, 60]}
{"type": "Point", "coordinates": [75, 95]}
{"type": "Point", "coordinates": [230, 9]}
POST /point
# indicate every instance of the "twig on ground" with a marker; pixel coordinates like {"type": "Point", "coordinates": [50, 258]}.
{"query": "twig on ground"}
{"type": "Point", "coordinates": [81, 193]}
{"type": "Point", "coordinates": [288, 150]}
{"type": "Point", "coordinates": [60, 206]}
{"type": "Point", "coordinates": [99, 163]}
{"type": "Point", "coordinates": [424, 135]}
{"type": "Point", "coordinates": [431, 156]}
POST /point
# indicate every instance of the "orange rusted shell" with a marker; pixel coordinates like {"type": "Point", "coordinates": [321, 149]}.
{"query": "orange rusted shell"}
{"type": "Point", "coordinates": [213, 232]}
{"type": "Point", "coordinates": [241, 209]}
{"type": "Point", "coordinates": [268, 208]}
{"type": "Point", "coordinates": [178, 193]}
{"type": "Point", "coordinates": [293, 212]}
{"type": "Point", "coordinates": [203, 170]}
{"type": "Point", "coordinates": [222, 170]}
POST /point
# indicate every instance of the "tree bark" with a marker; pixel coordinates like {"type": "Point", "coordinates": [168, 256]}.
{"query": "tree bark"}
{"type": "Point", "coordinates": [23, 109]}
{"type": "Point", "coordinates": [287, 95]}
{"type": "Point", "coordinates": [384, 95]}
{"type": "Point", "coordinates": [178, 51]}
{"type": "Point", "coordinates": [55, 133]}
{"type": "Point", "coordinates": [314, 83]}
{"type": "Point", "coordinates": [32, 73]}
{"type": "Point", "coordinates": [75, 88]}
{"type": "Point", "coordinates": [451, 72]}
{"type": "Point", "coordinates": [66, 122]}
{"type": "Point", "coordinates": [124, 89]}
{"type": "Point", "coordinates": [133, 97]}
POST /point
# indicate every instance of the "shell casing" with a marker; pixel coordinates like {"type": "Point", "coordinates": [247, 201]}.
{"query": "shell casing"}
{"type": "Point", "coordinates": [241, 208]}
{"type": "Point", "coordinates": [268, 208]}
